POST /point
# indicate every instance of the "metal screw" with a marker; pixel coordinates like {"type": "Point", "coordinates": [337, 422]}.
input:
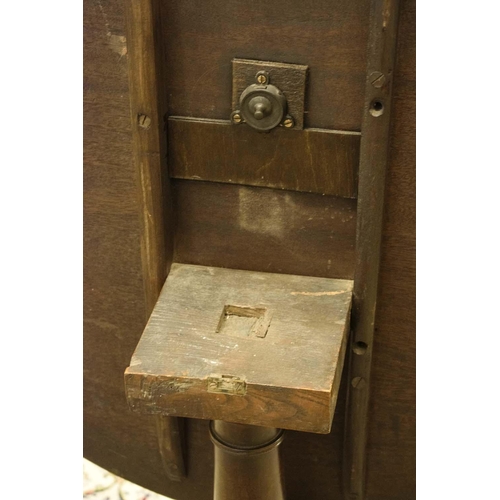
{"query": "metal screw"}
{"type": "Point", "coordinates": [288, 123]}
{"type": "Point", "coordinates": [377, 79]}
{"type": "Point", "coordinates": [358, 382]}
{"type": "Point", "coordinates": [262, 77]}
{"type": "Point", "coordinates": [237, 118]}
{"type": "Point", "coordinates": [144, 121]}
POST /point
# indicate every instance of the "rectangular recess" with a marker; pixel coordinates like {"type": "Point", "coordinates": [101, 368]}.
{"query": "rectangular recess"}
{"type": "Point", "coordinates": [226, 384]}
{"type": "Point", "coordinates": [244, 321]}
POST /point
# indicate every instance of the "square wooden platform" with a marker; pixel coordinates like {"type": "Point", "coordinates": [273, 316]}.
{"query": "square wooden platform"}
{"type": "Point", "coordinates": [240, 346]}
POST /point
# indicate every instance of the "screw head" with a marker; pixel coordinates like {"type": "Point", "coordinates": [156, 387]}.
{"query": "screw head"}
{"type": "Point", "coordinates": [377, 79]}
{"type": "Point", "coordinates": [288, 123]}
{"type": "Point", "coordinates": [236, 118]}
{"type": "Point", "coordinates": [262, 77]}
{"type": "Point", "coordinates": [144, 121]}
{"type": "Point", "coordinates": [358, 382]}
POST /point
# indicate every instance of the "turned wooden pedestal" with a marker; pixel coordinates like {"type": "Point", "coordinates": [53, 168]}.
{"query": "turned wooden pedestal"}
{"type": "Point", "coordinates": [254, 353]}
{"type": "Point", "coordinates": [247, 462]}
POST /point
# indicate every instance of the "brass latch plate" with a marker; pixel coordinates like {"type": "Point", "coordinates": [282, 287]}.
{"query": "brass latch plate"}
{"type": "Point", "coordinates": [289, 78]}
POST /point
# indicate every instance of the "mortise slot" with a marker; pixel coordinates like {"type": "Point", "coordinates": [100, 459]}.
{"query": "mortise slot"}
{"type": "Point", "coordinates": [244, 321]}
{"type": "Point", "coordinates": [227, 384]}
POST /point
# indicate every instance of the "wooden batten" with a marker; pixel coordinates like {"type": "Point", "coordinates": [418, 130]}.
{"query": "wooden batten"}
{"type": "Point", "coordinates": [374, 151]}
{"type": "Point", "coordinates": [312, 160]}
{"type": "Point", "coordinates": [148, 109]}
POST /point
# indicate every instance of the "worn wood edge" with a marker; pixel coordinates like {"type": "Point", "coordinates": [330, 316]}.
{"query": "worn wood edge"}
{"type": "Point", "coordinates": [149, 140]}
{"type": "Point", "coordinates": [228, 122]}
{"type": "Point", "coordinates": [251, 62]}
{"type": "Point", "coordinates": [212, 406]}
{"type": "Point", "coordinates": [374, 150]}
{"type": "Point", "coordinates": [348, 282]}
{"type": "Point", "coordinates": [337, 379]}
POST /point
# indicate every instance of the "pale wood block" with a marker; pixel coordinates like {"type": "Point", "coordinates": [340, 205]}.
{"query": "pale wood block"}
{"type": "Point", "coordinates": [240, 346]}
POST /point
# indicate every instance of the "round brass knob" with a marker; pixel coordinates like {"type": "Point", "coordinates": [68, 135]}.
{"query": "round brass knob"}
{"type": "Point", "coordinates": [262, 106]}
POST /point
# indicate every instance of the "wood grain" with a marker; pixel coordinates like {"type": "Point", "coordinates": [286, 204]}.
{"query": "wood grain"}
{"type": "Point", "coordinates": [187, 365]}
{"type": "Point", "coordinates": [317, 161]}
{"type": "Point", "coordinates": [115, 307]}
{"type": "Point", "coordinates": [202, 38]}
{"type": "Point", "coordinates": [262, 229]}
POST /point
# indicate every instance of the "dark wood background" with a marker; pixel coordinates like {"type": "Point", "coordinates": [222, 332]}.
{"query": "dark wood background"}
{"type": "Point", "coordinates": [117, 294]}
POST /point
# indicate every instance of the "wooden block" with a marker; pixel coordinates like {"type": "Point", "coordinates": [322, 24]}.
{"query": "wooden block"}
{"type": "Point", "coordinates": [311, 160]}
{"type": "Point", "coordinates": [240, 346]}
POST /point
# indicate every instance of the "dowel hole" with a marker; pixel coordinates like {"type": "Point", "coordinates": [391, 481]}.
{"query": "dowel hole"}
{"type": "Point", "coordinates": [359, 347]}
{"type": "Point", "coordinates": [376, 108]}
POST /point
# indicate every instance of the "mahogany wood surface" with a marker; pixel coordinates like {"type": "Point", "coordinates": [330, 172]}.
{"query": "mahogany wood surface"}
{"type": "Point", "coordinates": [116, 303]}
{"type": "Point", "coordinates": [115, 308]}
{"type": "Point", "coordinates": [261, 229]}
